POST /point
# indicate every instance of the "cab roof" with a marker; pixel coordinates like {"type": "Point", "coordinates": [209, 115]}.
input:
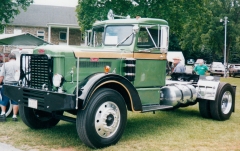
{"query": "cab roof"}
{"type": "Point", "coordinates": [140, 21]}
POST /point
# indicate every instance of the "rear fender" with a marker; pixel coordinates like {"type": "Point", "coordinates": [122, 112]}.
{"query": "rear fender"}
{"type": "Point", "coordinates": [98, 80]}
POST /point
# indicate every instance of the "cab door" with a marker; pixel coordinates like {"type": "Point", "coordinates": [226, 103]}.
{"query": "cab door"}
{"type": "Point", "coordinates": [150, 72]}
{"type": "Point", "coordinates": [150, 61]}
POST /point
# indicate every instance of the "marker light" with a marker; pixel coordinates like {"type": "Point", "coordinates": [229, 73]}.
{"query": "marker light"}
{"type": "Point", "coordinates": [57, 79]}
{"type": "Point", "coordinates": [107, 69]}
{"type": "Point", "coordinates": [41, 51]}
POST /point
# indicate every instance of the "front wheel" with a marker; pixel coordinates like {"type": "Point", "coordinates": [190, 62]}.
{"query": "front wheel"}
{"type": "Point", "coordinates": [38, 119]}
{"type": "Point", "coordinates": [103, 121]}
{"type": "Point", "coordinates": [222, 107]}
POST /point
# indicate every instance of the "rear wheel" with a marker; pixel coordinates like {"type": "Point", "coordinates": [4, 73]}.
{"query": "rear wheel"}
{"type": "Point", "coordinates": [38, 119]}
{"type": "Point", "coordinates": [103, 121]}
{"type": "Point", "coordinates": [204, 108]}
{"type": "Point", "coordinates": [222, 107]}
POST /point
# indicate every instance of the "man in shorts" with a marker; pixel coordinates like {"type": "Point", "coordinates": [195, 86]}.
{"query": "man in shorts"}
{"type": "Point", "coordinates": [7, 76]}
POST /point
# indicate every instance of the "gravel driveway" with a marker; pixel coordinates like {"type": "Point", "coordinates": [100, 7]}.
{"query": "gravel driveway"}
{"type": "Point", "coordinates": [6, 147]}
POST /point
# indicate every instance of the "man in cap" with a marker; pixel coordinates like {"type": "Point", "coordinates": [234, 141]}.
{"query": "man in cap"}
{"type": "Point", "coordinates": [179, 67]}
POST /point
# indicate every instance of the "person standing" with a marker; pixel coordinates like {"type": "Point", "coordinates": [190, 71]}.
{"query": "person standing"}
{"type": "Point", "coordinates": [7, 76]}
{"type": "Point", "coordinates": [201, 69]}
{"type": "Point", "coordinates": [179, 67]}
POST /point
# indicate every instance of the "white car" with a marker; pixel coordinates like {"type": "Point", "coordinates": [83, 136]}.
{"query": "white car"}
{"type": "Point", "coordinates": [217, 68]}
{"type": "Point", "coordinates": [190, 61]}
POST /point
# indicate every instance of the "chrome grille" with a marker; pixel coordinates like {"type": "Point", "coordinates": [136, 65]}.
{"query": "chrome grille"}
{"type": "Point", "coordinates": [36, 71]}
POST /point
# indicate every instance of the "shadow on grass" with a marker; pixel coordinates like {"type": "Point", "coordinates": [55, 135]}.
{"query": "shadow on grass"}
{"type": "Point", "coordinates": [138, 125]}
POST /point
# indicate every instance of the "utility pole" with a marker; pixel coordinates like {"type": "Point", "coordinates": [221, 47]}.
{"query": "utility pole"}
{"type": "Point", "coordinates": [225, 45]}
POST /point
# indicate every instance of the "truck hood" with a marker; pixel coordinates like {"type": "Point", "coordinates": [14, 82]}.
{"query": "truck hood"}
{"type": "Point", "coordinates": [83, 52]}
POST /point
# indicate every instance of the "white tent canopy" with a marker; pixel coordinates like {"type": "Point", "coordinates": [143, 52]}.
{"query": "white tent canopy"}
{"type": "Point", "coordinates": [25, 39]}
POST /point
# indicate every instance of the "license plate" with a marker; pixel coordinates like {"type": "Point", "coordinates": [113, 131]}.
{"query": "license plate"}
{"type": "Point", "coordinates": [32, 103]}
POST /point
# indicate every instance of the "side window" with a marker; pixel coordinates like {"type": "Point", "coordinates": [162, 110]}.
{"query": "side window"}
{"type": "Point", "coordinates": [62, 35]}
{"type": "Point", "coordinates": [17, 30]}
{"type": "Point", "coordinates": [40, 34]}
{"type": "Point", "coordinates": [97, 36]}
{"type": "Point", "coordinates": [148, 38]}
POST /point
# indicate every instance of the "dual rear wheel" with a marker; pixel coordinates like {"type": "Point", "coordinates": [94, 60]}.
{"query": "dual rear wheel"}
{"type": "Point", "coordinates": [222, 107]}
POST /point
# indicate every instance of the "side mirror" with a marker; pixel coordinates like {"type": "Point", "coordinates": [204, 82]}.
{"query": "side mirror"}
{"type": "Point", "coordinates": [135, 29]}
{"type": "Point", "coordinates": [164, 39]}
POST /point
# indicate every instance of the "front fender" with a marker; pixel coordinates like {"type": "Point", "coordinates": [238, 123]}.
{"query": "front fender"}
{"type": "Point", "coordinates": [91, 83]}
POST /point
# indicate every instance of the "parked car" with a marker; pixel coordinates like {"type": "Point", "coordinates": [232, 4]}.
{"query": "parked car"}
{"type": "Point", "coordinates": [217, 68]}
{"type": "Point", "coordinates": [190, 61]}
{"type": "Point", "coordinates": [234, 69]}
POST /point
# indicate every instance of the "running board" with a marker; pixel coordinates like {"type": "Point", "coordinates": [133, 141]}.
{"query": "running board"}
{"type": "Point", "coordinates": [65, 118]}
{"type": "Point", "coordinates": [149, 108]}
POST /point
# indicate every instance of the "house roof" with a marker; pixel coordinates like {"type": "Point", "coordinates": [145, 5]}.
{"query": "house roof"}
{"type": "Point", "coordinates": [21, 39]}
{"type": "Point", "coordinates": [42, 15]}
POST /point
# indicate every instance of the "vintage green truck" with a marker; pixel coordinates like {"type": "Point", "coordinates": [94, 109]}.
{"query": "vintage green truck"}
{"type": "Point", "coordinates": [123, 68]}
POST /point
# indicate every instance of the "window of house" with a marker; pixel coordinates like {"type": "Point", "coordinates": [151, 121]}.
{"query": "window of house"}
{"type": "Point", "coordinates": [40, 34]}
{"type": "Point", "coordinates": [17, 30]}
{"type": "Point", "coordinates": [62, 35]}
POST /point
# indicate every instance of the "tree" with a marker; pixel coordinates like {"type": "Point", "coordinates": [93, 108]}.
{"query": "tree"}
{"type": "Point", "coordinates": [210, 32]}
{"type": "Point", "coordinates": [10, 8]}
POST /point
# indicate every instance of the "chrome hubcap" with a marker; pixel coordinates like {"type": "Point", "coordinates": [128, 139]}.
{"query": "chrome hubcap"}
{"type": "Point", "coordinates": [107, 119]}
{"type": "Point", "coordinates": [226, 102]}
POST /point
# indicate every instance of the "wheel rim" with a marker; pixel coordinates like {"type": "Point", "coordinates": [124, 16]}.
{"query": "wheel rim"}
{"type": "Point", "coordinates": [226, 102]}
{"type": "Point", "coordinates": [107, 119]}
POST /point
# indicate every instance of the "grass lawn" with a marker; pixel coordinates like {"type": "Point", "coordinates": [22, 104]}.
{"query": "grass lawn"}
{"type": "Point", "coordinates": [182, 129]}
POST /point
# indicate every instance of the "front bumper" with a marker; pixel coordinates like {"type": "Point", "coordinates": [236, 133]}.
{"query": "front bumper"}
{"type": "Point", "coordinates": [217, 72]}
{"type": "Point", "coordinates": [43, 100]}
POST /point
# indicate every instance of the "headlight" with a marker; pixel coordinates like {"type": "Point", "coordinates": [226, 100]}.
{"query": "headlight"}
{"type": "Point", "coordinates": [57, 80]}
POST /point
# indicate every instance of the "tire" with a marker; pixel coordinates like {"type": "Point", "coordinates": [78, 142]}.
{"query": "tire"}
{"type": "Point", "coordinates": [222, 107]}
{"type": "Point", "coordinates": [103, 121]}
{"type": "Point", "coordinates": [204, 108]}
{"type": "Point", "coordinates": [234, 75]}
{"type": "Point", "coordinates": [230, 74]}
{"type": "Point", "coordinates": [38, 119]}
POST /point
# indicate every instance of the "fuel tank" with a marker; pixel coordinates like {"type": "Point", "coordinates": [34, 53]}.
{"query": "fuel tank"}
{"type": "Point", "coordinates": [177, 94]}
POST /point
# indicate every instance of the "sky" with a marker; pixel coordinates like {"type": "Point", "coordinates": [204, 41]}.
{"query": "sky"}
{"type": "Point", "coordinates": [68, 3]}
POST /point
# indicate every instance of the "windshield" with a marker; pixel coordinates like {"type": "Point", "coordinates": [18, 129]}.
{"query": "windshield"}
{"type": "Point", "coordinates": [116, 34]}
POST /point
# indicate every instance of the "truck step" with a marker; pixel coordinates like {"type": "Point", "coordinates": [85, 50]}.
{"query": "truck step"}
{"type": "Point", "coordinates": [65, 118]}
{"type": "Point", "coordinates": [149, 108]}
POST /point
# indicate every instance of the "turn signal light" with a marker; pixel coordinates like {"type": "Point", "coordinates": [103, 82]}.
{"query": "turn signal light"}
{"type": "Point", "coordinates": [107, 69]}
